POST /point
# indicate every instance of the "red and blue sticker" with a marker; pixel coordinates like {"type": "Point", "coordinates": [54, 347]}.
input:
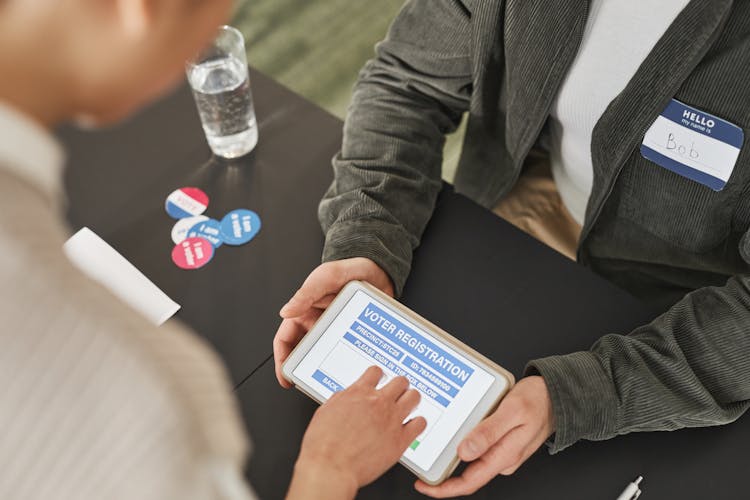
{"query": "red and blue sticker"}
{"type": "Point", "coordinates": [197, 236]}
{"type": "Point", "coordinates": [186, 202]}
{"type": "Point", "coordinates": [239, 226]}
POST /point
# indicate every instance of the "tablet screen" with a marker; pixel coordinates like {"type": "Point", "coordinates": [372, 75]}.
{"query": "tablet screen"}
{"type": "Point", "coordinates": [367, 332]}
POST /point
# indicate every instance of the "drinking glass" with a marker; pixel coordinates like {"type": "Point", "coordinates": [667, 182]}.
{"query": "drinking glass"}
{"type": "Point", "coordinates": [220, 82]}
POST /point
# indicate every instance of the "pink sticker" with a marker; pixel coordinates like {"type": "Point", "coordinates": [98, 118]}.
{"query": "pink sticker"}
{"type": "Point", "coordinates": [193, 253]}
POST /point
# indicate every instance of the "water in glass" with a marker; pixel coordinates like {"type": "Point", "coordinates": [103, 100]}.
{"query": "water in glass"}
{"type": "Point", "coordinates": [221, 88]}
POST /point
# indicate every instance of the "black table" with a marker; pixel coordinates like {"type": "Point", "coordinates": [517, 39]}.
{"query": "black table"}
{"type": "Point", "coordinates": [514, 300]}
{"type": "Point", "coordinates": [118, 180]}
{"type": "Point", "coordinates": [474, 275]}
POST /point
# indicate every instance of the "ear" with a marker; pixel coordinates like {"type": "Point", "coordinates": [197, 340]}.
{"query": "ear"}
{"type": "Point", "coordinates": [135, 17]}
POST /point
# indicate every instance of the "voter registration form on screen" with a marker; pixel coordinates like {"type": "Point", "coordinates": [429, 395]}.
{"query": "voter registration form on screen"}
{"type": "Point", "coordinates": [367, 333]}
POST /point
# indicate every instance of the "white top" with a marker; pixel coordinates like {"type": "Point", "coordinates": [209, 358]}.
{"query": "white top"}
{"type": "Point", "coordinates": [618, 37]}
{"type": "Point", "coordinates": [95, 401]}
{"type": "Point", "coordinates": [29, 151]}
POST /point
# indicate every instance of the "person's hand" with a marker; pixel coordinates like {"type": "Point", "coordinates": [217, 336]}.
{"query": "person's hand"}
{"type": "Point", "coordinates": [314, 296]}
{"type": "Point", "coordinates": [356, 436]}
{"type": "Point", "coordinates": [503, 441]}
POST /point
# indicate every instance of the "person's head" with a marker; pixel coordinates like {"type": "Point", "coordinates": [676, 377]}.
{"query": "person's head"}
{"type": "Point", "coordinates": [98, 58]}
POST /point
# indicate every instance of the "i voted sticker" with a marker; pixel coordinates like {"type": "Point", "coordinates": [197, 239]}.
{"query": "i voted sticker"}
{"type": "Point", "coordinates": [192, 253]}
{"type": "Point", "coordinates": [239, 226]}
{"type": "Point", "coordinates": [209, 229]}
{"type": "Point", "coordinates": [186, 202]}
{"type": "Point", "coordinates": [182, 226]}
{"type": "Point", "coordinates": [694, 144]}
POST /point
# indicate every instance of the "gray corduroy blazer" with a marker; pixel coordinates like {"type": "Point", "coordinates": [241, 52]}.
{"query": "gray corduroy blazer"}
{"type": "Point", "coordinates": [665, 238]}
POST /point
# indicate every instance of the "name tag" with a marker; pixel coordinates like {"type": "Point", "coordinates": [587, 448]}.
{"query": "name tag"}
{"type": "Point", "coordinates": [694, 144]}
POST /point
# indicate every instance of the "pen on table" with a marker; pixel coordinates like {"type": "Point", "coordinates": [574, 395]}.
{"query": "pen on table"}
{"type": "Point", "coordinates": [632, 491]}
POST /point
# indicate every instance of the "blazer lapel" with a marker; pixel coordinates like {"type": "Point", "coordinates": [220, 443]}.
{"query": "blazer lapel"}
{"type": "Point", "coordinates": [542, 38]}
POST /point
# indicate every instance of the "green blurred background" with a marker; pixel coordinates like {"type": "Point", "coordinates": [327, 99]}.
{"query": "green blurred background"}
{"type": "Point", "coordinates": [316, 48]}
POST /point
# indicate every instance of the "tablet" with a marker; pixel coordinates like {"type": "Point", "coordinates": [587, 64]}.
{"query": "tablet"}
{"type": "Point", "coordinates": [364, 327]}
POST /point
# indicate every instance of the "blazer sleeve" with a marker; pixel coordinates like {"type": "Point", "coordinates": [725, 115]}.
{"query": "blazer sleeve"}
{"type": "Point", "coordinates": [688, 368]}
{"type": "Point", "coordinates": [388, 172]}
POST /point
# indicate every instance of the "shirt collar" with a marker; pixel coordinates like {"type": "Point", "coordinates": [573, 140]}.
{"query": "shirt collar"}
{"type": "Point", "coordinates": [29, 151]}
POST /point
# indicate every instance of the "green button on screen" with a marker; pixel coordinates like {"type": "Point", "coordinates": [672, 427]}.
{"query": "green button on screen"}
{"type": "Point", "coordinates": [414, 445]}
